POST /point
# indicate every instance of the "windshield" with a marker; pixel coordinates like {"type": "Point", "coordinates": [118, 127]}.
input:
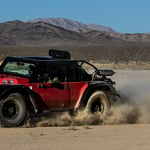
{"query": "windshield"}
{"type": "Point", "coordinates": [17, 68]}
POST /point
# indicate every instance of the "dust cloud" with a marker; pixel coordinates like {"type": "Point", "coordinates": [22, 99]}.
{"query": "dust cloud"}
{"type": "Point", "coordinates": [134, 89]}
{"type": "Point", "coordinates": [134, 106]}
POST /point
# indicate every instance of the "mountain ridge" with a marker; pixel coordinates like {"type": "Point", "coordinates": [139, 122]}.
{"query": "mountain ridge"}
{"type": "Point", "coordinates": [18, 37]}
{"type": "Point", "coordinates": [72, 25]}
{"type": "Point", "coordinates": [41, 33]}
{"type": "Point", "coordinates": [44, 34]}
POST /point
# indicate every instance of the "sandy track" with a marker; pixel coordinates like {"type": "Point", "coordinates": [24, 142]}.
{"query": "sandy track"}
{"type": "Point", "coordinates": [134, 85]}
{"type": "Point", "coordinates": [111, 137]}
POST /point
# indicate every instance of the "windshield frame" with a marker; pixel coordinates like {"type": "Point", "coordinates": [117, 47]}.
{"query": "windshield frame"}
{"type": "Point", "coordinates": [82, 62]}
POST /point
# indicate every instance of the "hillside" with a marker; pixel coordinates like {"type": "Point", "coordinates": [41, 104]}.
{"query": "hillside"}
{"type": "Point", "coordinates": [35, 38]}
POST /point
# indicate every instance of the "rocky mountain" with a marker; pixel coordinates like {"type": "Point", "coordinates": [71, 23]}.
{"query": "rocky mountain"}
{"type": "Point", "coordinates": [38, 33]}
{"type": "Point", "coordinates": [27, 38]}
{"type": "Point", "coordinates": [44, 34]}
{"type": "Point", "coordinates": [72, 25]}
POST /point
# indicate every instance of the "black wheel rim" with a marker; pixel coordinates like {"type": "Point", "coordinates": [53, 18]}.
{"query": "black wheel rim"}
{"type": "Point", "coordinates": [10, 110]}
{"type": "Point", "coordinates": [97, 106]}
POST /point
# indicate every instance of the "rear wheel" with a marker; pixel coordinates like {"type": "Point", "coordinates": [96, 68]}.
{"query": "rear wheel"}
{"type": "Point", "coordinates": [12, 110]}
{"type": "Point", "coordinates": [98, 103]}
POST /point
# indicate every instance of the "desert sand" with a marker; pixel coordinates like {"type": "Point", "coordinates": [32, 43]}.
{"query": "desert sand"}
{"type": "Point", "coordinates": [127, 126]}
{"type": "Point", "coordinates": [109, 137]}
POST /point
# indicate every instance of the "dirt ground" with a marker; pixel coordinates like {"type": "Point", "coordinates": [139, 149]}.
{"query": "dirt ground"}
{"type": "Point", "coordinates": [125, 128]}
{"type": "Point", "coordinates": [108, 137]}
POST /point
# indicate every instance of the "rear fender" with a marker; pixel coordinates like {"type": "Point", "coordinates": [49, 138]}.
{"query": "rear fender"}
{"type": "Point", "coordinates": [5, 90]}
{"type": "Point", "coordinates": [92, 89]}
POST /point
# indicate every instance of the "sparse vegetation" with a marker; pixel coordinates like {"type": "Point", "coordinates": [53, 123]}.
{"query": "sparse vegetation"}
{"type": "Point", "coordinates": [19, 38]}
{"type": "Point", "coordinates": [130, 54]}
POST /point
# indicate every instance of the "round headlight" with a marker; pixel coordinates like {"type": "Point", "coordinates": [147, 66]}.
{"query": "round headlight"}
{"type": "Point", "coordinates": [11, 82]}
{"type": "Point", "coordinates": [5, 81]}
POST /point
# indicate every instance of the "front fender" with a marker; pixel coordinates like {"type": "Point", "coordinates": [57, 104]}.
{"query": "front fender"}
{"type": "Point", "coordinates": [5, 90]}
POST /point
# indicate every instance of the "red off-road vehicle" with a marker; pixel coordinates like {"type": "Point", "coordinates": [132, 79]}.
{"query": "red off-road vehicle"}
{"type": "Point", "coordinates": [33, 85]}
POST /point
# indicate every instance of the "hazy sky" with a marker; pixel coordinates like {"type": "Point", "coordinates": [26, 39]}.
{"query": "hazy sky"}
{"type": "Point", "coordinates": [126, 16]}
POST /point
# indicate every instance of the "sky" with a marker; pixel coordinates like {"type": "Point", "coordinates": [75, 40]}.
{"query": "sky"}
{"type": "Point", "coordinates": [125, 16]}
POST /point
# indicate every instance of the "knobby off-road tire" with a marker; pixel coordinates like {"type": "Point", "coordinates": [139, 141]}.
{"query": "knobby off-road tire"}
{"type": "Point", "coordinates": [12, 110]}
{"type": "Point", "coordinates": [97, 103]}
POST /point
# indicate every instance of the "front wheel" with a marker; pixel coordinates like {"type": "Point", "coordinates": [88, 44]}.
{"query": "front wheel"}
{"type": "Point", "coordinates": [12, 110]}
{"type": "Point", "coordinates": [97, 103]}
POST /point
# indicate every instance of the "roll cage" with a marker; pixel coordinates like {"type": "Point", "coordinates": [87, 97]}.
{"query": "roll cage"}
{"type": "Point", "coordinates": [30, 67]}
